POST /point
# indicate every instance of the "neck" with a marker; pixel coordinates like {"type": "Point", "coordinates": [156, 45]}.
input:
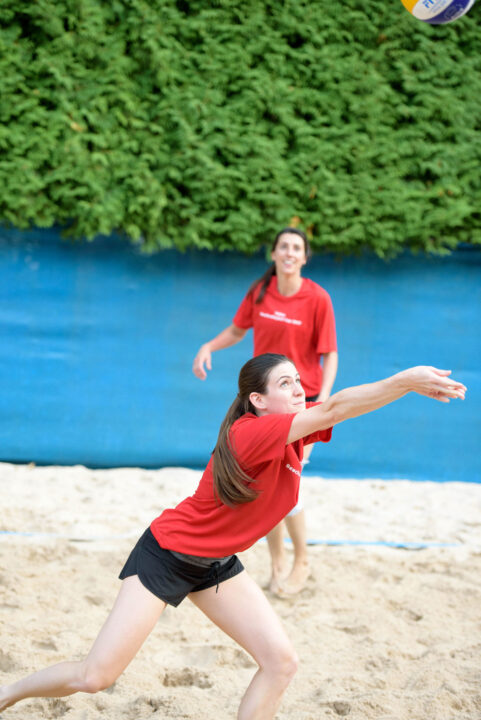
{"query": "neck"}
{"type": "Point", "coordinates": [288, 284]}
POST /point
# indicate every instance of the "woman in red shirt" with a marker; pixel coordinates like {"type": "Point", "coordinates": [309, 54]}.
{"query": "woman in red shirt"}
{"type": "Point", "coordinates": [293, 316]}
{"type": "Point", "coordinates": [250, 483]}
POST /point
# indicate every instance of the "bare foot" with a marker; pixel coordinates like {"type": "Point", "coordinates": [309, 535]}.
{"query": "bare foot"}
{"type": "Point", "coordinates": [297, 578]}
{"type": "Point", "coordinates": [274, 586]}
{"type": "Point", "coordinates": [279, 574]}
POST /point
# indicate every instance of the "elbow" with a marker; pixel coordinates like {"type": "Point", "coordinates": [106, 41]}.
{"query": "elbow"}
{"type": "Point", "coordinates": [333, 412]}
{"type": "Point", "coordinates": [335, 418]}
{"type": "Point", "coordinates": [238, 332]}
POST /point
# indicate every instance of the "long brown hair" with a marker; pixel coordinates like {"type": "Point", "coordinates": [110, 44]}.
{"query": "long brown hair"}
{"type": "Point", "coordinates": [265, 279]}
{"type": "Point", "coordinates": [230, 481]}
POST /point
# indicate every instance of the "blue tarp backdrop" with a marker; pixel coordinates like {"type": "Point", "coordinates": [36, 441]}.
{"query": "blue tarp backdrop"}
{"type": "Point", "coordinates": [98, 342]}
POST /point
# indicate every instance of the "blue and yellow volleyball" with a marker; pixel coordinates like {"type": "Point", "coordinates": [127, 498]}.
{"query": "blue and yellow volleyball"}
{"type": "Point", "coordinates": [438, 12]}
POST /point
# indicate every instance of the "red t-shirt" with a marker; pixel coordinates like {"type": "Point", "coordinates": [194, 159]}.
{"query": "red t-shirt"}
{"type": "Point", "coordinates": [202, 525]}
{"type": "Point", "coordinates": [300, 326]}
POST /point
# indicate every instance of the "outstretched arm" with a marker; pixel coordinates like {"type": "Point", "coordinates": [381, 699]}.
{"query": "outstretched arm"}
{"type": "Point", "coordinates": [362, 399]}
{"type": "Point", "coordinates": [230, 336]}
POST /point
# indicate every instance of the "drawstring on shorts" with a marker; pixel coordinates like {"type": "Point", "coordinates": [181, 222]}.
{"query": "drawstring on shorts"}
{"type": "Point", "coordinates": [215, 569]}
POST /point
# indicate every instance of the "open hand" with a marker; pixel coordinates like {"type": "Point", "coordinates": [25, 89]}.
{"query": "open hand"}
{"type": "Point", "coordinates": [434, 383]}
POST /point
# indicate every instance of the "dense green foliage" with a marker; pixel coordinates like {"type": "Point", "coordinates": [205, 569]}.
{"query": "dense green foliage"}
{"type": "Point", "coordinates": [192, 124]}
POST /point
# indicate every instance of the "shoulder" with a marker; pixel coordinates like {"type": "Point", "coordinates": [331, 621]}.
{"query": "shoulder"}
{"type": "Point", "coordinates": [271, 287]}
{"type": "Point", "coordinates": [315, 291]}
{"type": "Point", "coordinates": [314, 288]}
{"type": "Point", "coordinates": [253, 292]}
{"type": "Point", "coordinates": [245, 424]}
{"type": "Point", "coordinates": [247, 418]}
{"type": "Point", "coordinates": [255, 423]}
{"type": "Point", "coordinates": [262, 438]}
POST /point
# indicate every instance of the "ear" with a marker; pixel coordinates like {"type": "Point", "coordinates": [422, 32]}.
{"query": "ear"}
{"type": "Point", "coordinates": [257, 401]}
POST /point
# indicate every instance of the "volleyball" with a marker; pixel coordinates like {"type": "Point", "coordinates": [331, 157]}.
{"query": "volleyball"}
{"type": "Point", "coordinates": [438, 12]}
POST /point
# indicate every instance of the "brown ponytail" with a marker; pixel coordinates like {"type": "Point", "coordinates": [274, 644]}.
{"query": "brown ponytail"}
{"type": "Point", "coordinates": [265, 279]}
{"type": "Point", "coordinates": [231, 482]}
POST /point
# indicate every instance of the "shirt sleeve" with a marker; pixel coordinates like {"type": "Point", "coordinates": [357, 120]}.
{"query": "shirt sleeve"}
{"type": "Point", "coordinates": [257, 440]}
{"type": "Point", "coordinates": [326, 339]}
{"type": "Point", "coordinates": [319, 435]}
{"type": "Point", "coordinates": [244, 317]}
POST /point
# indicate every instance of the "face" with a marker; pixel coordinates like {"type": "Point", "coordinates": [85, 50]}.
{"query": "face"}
{"type": "Point", "coordinates": [289, 254]}
{"type": "Point", "coordinates": [284, 392]}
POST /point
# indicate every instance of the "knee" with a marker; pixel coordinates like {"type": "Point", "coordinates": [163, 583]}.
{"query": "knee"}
{"type": "Point", "coordinates": [290, 664]}
{"type": "Point", "coordinates": [95, 679]}
{"type": "Point", "coordinates": [283, 662]}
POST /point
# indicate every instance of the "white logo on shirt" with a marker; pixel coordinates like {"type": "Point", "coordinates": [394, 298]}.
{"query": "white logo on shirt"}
{"type": "Point", "coordinates": [280, 317]}
{"type": "Point", "coordinates": [296, 472]}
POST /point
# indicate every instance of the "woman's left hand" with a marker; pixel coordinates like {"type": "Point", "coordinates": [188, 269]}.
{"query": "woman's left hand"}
{"type": "Point", "coordinates": [434, 383]}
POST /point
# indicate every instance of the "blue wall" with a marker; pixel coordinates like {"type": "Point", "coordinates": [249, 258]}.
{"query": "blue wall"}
{"type": "Point", "coordinates": [97, 343]}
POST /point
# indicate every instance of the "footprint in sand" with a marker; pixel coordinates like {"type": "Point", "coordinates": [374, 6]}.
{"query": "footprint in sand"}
{"type": "Point", "coordinates": [341, 708]}
{"type": "Point", "coordinates": [187, 677]}
{"type": "Point", "coordinates": [10, 606]}
{"type": "Point", "coordinates": [45, 645]}
{"type": "Point", "coordinates": [354, 629]}
{"type": "Point", "coordinates": [405, 612]}
{"type": "Point", "coordinates": [57, 708]}
{"type": "Point", "coordinates": [150, 704]}
{"type": "Point", "coordinates": [94, 599]}
{"type": "Point", "coordinates": [7, 663]}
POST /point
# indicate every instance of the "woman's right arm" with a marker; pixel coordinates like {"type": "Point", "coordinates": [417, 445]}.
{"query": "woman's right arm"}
{"type": "Point", "coordinates": [230, 336]}
{"type": "Point", "coordinates": [362, 399]}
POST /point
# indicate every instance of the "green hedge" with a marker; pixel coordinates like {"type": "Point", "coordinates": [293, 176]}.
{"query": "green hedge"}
{"type": "Point", "coordinates": [191, 124]}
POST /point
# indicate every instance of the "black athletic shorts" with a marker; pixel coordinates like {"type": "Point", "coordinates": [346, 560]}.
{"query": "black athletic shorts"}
{"type": "Point", "coordinates": [313, 398]}
{"type": "Point", "coordinates": [170, 578]}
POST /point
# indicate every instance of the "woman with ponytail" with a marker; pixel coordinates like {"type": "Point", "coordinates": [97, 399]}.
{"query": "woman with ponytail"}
{"type": "Point", "coordinates": [250, 483]}
{"type": "Point", "coordinates": [293, 316]}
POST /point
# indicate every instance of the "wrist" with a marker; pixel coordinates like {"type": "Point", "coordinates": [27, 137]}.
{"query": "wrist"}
{"type": "Point", "coordinates": [404, 380]}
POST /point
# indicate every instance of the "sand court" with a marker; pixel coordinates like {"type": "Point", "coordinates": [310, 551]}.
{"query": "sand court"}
{"type": "Point", "coordinates": [388, 627]}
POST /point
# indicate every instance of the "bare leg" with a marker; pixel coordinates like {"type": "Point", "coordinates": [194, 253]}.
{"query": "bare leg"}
{"type": "Point", "coordinates": [307, 453]}
{"type": "Point", "coordinates": [134, 614]}
{"type": "Point", "coordinates": [282, 582]}
{"type": "Point", "coordinates": [296, 527]}
{"type": "Point", "coordinates": [279, 571]}
{"type": "Point", "coordinates": [241, 610]}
